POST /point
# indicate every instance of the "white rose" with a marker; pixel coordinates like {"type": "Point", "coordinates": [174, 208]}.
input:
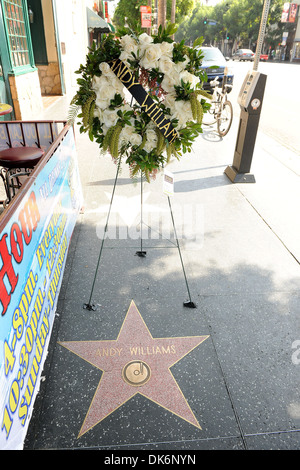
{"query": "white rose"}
{"type": "Point", "coordinates": [151, 136]}
{"type": "Point", "coordinates": [149, 146]}
{"type": "Point", "coordinates": [116, 85]}
{"type": "Point", "coordinates": [188, 77]}
{"type": "Point", "coordinates": [182, 111]}
{"type": "Point", "coordinates": [135, 139]}
{"type": "Point", "coordinates": [106, 87]}
{"type": "Point", "coordinates": [165, 65]}
{"type": "Point", "coordinates": [110, 117]}
{"type": "Point", "coordinates": [128, 135]}
{"type": "Point", "coordinates": [102, 104]}
{"type": "Point", "coordinates": [167, 49]}
{"type": "Point", "coordinates": [98, 83]}
{"type": "Point", "coordinates": [150, 57]}
{"type": "Point", "coordinates": [129, 44]}
{"type": "Point", "coordinates": [180, 66]}
{"type": "Point", "coordinates": [105, 69]}
{"type": "Point", "coordinates": [124, 56]}
{"type": "Point", "coordinates": [169, 101]}
{"type": "Point", "coordinates": [170, 81]}
{"type": "Point", "coordinates": [145, 39]}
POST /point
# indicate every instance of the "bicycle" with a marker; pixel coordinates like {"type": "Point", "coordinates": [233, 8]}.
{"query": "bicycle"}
{"type": "Point", "coordinates": [221, 111]}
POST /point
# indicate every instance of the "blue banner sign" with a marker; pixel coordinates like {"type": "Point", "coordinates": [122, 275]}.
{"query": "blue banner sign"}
{"type": "Point", "coordinates": [33, 250]}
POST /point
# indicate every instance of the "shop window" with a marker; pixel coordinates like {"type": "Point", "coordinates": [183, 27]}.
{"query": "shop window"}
{"type": "Point", "coordinates": [17, 28]}
{"type": "Point", "coordinates": [297, 51]}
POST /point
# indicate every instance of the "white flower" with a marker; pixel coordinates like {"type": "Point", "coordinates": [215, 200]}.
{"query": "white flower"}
{"type": "Point", "coordinates": [167, 49]}
{"type": "Point", "coordinates": [150, 56]}
{"type": "Point", "coordinates": [169, 101]}
{"type": "Point", "coordinates": [128, 135]}
{"type": "Point", "coordinates": [116, 85]}
{"type": "Point", "coordinates": [182, 111]}
{"type": "Point", "coordinates": [105, 69]}
{"type": "Point", "coordinates": [102, 104]}
{"type": "Point", "coordinates": [145, 39]}
{"type": "Point", "coordinates": [151, 136]}
{"type": "Point", "coordinates": [110, 117]}
{"type": "Point", "coordinates": [149, 146]}
{"type": "Point", "coordinates": [188, 77]}
{"type": "Point", "coordinates": [170, 81]}
{"type": "Point", "coordinates": [124, 56]}
{"type": "Point", "coordinates": [98, 83]}
{"type": "Point", "coordinates": [180, 66]}
{"type": "Point", "coordinates": [165, 64]}
{"type": "Point", "coordinates": [129, 44]}
{"type": "Point", "coordinates": [106, 87]}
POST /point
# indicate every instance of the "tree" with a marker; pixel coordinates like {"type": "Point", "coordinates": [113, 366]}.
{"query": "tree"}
{"type": "Point", "coordinates": [238, 19]}
{"type": "Point", "coordinates": [130, 9]}
{"type": "Point", "coordinates": [162, 11]}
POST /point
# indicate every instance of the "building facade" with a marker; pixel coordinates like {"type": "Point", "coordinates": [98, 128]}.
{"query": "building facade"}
{"type": "Point", "coordinates": [42, 44]}
{"type": "Point", "coordinates": [295, 36]}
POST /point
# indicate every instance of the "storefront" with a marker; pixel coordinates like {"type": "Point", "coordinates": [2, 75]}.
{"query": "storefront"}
{"type": "Point", "coordinates": [20, 80]}
{"type": "Point", "coordinates": [42, 44]}
{"type": "Point", "coordinates": [296, 51]}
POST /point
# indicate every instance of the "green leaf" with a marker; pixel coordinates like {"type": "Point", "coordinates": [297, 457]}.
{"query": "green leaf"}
{"type": "Point", "coordinates": [198, 42]}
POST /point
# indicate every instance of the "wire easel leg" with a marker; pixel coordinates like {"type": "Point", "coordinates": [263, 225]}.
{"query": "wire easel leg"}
{"type": "Point", "coordinates": [89, 305]}
{"type": "Point", "coordinates": [189, 303]}
{"type": "Point", "coordinates": [141, 253]}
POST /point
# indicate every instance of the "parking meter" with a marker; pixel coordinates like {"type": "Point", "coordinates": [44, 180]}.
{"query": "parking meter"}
{"type": "Point", "coordinates": [250, 100]}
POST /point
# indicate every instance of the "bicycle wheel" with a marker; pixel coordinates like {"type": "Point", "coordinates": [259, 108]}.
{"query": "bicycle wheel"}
{"type": "Point", "coordinates": [225, 119]}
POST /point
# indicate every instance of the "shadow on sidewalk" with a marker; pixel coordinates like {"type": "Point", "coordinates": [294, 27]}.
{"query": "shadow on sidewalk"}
{"type": "Point", "coordinates": [240, 383]}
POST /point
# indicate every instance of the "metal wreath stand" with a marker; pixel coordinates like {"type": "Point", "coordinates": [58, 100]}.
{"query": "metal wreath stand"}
{"type": "Point", "coordinates": [141, 96]}
{"type": "Point", "coordinates": [140, 253]}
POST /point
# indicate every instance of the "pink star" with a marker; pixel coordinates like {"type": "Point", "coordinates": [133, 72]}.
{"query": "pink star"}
{"type": "Point", "coordinates": [135, 363]}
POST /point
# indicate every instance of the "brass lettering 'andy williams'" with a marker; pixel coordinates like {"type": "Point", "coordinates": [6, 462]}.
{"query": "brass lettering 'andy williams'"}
{"type": "Point", "coordinates": [152, 350]}
{"type": "Point", "coordinates": [145, 101]}
{"type": "Point", "coordinates": [136, 351]}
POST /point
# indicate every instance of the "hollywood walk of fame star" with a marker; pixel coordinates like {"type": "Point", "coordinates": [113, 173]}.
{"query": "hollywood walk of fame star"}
{"type": "Point", "coordinates": [135, 363]}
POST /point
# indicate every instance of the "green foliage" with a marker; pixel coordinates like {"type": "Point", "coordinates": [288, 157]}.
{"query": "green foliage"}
{"type": "Point", "coordinates": [164, 34]}
{"type": "Point", "coordinates": [130, 9]}
{"type": "Point", "coordinates": [240, 19]}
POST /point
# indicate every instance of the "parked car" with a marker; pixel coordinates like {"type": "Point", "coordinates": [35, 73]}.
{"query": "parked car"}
{"type": "Point", "coordinates": [214, 64]}
{"type": "Point", "coordinates": [243, 54]}
{"type": "Point", "coordinates": [264, 57]}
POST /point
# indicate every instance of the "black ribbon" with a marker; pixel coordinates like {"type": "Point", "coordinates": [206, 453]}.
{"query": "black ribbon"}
{"type": "Point", "coordinates": [145, 101]}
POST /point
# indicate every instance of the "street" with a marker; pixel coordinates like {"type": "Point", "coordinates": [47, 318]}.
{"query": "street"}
{"type": "Point", "coordinates": [280, 111]}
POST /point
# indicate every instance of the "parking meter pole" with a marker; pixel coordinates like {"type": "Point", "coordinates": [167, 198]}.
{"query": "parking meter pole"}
{"type": "Point", "coordinates": [261, 34]}
{"type": "Point", "coordinates": [250, 100]}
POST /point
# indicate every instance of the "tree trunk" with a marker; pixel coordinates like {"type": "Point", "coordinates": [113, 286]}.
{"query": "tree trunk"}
{"type": "Point", "coordinates": [173, 14]}
{"type": "Point", "coordinates": [162, 6]}
{"type": "Point", "coordinates": [173, 11]}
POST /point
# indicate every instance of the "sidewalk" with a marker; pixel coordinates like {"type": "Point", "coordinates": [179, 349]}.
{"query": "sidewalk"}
{"type": "Point", "coordinates": [239, 387]}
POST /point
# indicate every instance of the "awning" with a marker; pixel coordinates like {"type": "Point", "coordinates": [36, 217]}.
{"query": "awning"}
{"type": "Point", "coordinates": [95, 21]}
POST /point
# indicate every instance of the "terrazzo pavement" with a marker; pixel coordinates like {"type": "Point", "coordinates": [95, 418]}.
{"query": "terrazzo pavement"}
{"type": "Point", "coordinates": [241, 252]}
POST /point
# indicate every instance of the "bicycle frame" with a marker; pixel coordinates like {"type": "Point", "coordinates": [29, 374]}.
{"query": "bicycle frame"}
{"type": "Point", "coordinates": [221, 108]}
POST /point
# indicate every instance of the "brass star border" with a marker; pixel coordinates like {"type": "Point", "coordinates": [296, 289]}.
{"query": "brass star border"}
{"type": "Point", "coordinates": [135, 363]}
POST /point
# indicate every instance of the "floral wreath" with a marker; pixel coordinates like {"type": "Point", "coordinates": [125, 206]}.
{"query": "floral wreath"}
{"type": "Point", "coordinates": [167, 72]}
